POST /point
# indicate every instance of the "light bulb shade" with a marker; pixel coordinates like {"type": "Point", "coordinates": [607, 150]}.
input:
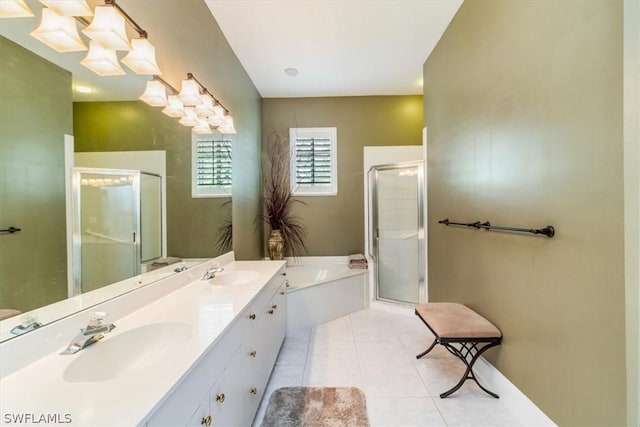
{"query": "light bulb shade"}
{"type": "Point", "coordinates": [58, 32]}
{"type": "Point", "coordinates": [216, 121]}
{"type": "Point", "coordinates": [202, 127]}
{"type": "Point", "coordinates": [190, 118]}
{"type": "Point", "coordinates": [218, 110]}
{"type": "Point", "coordinates": [101, 61]}
{"type": "Point", "coordinates": [107, 29]}
{"type": "Point", "coordinates": [142, 58]}
{"type": "Point", "coordinates": [206, 108]}
{"type": "Point", "coordinates": [228, 127]}
{"type": "Point", "coordinates": [155, 94]}
{"type": "Point", "coordinates": [190, 93]}
{"type": "Point", "coordinates": [68, 7]}
{"type": "Point", "coordinates": [14, 9]}
{"type": "Point", "coordinates": [175, 107]}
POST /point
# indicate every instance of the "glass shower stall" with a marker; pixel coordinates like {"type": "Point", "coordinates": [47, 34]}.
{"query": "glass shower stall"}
{"type": "Point", "coordinates": [117, 225]}
{"type": "Point", "coordinates": [396, 231]}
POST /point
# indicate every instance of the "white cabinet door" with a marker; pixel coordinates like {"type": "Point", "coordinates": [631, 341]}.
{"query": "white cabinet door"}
{"type": "Point", "coordinates": [226, 400]}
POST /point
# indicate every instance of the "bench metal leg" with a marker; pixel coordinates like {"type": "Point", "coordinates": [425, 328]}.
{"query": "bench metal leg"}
{"type": "Point", "coordinates": [468, 349]}
{"type": "Point", "coordinates": [424, 353]}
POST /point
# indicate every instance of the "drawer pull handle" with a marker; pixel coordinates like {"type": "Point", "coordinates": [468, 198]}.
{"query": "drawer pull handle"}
{"type": "Point", "coordinates": [254, 391]}
{"type": "Point", "coordinates": [252, 316]}
{"type": "Point", "coordinates": [220, 398]}
{"type": "Point", "coordinates": [270, 311]}
{"type": "Point", "coordinates": [282, 293]}
{"type": "Point", "coordinates": [274, 306]}
{"type": "Point", "coordinates": [253, 353]}
{"type": "Point", "coordinates": [206, 421]}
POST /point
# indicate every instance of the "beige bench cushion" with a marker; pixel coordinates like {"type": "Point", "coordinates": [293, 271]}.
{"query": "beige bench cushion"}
{"type": "Point", "coordinates": [452, 320]}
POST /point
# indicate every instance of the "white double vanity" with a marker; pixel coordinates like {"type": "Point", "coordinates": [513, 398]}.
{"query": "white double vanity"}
{"type": "Point", "coordinates": [184, 352]}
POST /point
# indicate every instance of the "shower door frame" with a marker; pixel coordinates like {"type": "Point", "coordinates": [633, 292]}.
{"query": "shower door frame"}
{"type": "Point", "coordinates": [373, 248]}
{"type": "Point", "coordinates": [77, 226]}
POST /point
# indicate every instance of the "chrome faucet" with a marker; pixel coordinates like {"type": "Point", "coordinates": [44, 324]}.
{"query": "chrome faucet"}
{"type": "Point", "coordinates": [211, 273]}
{"type": "Point", "coordinates": [29, 323]}
{"type": "Point", "coordinates": [94, 332]}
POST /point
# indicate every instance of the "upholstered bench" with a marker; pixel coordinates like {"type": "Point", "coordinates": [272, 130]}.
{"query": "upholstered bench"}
{"type": "Point", "coordinates": [472, 334]}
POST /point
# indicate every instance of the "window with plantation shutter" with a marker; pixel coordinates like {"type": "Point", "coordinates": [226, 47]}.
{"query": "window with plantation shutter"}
{"type": "Point", "coordinates": [313, 161]}
{"type": "Point", "coordinates": [211, 166]}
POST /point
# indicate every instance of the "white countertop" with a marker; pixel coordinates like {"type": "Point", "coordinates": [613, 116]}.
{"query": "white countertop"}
{"type": "Point", "coordinates": [46, 388]}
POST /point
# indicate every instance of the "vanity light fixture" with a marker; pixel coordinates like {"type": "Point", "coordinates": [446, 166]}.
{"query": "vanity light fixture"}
{"type": "Point", "coordinates": [202, 128]}
{"type": "Point", "coordinates": [14, 9]}
{"type": "Point", "coordinates": [190, 92]}
{"type": "Point", "coordinates": [107, 29]}
{"type": "Point", "coordinates": [142, 57]}
{"type": "Point", "coordinates": [216, 121]}
{"type": "Point", "coordinates": [58, 32]}
{"type": "Point", "coordinates": [68, 7]}
{"type": "Point", "coordinates": [155, 94]}
{"type": "Point", "coordinates": [227, 127]}
{"type": "Point", "coordinates": [175, 107]}
{"type": "Point", "coordinates": [208, 113]}
{"type": "Point", "coordinates": [101, 61]}
{"type": "Point", "coordinates": [206, 108]}
{"type": "Point", "coordinates": [190, 118]}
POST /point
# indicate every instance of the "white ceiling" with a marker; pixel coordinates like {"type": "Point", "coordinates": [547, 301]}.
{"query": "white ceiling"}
{"type": "Point", "coordinates": [339, 47]}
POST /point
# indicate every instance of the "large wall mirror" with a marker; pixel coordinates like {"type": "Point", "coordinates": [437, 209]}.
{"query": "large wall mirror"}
{"type": "Point", "coordinates": [139, 184]}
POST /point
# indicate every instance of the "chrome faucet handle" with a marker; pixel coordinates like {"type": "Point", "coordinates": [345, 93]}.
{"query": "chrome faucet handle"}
{"type": "Point", "coordinates": [97, 320]}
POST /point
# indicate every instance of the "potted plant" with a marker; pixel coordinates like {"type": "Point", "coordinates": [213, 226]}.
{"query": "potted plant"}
{"type": "Point", "coordinates": [224, 236]}
{"type": "Point", "coordinates": [286, 229]}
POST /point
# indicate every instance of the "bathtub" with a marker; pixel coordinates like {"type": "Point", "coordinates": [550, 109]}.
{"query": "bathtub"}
{"type": "Point", "coordinates": [321, 289]}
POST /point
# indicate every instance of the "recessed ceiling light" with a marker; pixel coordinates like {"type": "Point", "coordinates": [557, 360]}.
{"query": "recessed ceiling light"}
{"type": "Point", "coordinates": [291, 71]}
{"type": "Point", "coordinates": [83, 89]}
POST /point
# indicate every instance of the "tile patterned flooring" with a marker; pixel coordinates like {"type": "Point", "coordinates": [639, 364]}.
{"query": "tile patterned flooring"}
{"type": "Point", "coordinates": [375, 351]}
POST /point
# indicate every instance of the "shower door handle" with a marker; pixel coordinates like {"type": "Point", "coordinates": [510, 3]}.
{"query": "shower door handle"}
{"type": "Point", "coordinates": [373, 243]}
{"type": "Point", "coordinates": [371, 201]}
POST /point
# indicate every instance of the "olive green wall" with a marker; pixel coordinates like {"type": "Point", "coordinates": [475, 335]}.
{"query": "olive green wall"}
{"type": "Point", "coordinates": [336, 223]}
{"type": "Point", "coordinates": [523, 108]}
{"type": "Point", "coordinates": [632, 204]}
{"type": "Point", "coordinates": [134, 126]}
{"type": "Point", "coordinates": [35, 114]}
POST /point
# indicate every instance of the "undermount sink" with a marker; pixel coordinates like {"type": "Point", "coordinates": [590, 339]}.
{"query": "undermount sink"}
{"type": "Point", "coordinates": [126, 353]}
{"type": "Point", "coordinates": [233, 277]}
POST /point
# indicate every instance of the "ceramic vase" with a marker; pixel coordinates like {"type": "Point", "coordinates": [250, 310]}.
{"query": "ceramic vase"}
{"type": "Point", "coordinates": [275, 244]}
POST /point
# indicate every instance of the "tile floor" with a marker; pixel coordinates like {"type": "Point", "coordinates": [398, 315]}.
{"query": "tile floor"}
{"type": "Point", "coordinates": [375, 351]}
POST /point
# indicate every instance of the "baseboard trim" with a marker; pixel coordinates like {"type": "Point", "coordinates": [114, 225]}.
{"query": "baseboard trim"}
{"type": "Point", "coordinates": [525, 410]}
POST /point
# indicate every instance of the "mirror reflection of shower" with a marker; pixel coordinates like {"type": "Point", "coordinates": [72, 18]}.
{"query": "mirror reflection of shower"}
{"type": "Point", "coordinates": [396, 231]}
{"type": "Point", "coordinates": [117, 221]}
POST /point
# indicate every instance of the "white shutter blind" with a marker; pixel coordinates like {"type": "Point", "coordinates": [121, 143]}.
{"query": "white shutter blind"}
{"type": "Point", "coordinates": [313, 161]}
{"type": "Point", "coordinates": [213, 167]}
